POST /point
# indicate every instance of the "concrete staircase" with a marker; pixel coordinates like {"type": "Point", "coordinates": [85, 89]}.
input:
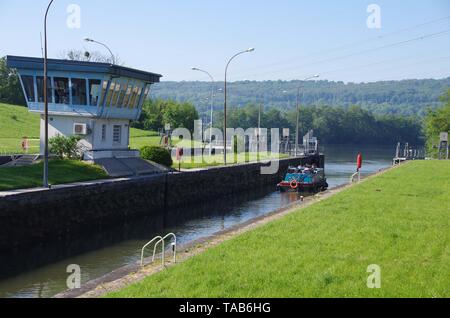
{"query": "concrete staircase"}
{"type": "Point", "coordinates": [127, 167]}
{"type": "Point", "coordinates": [22, 160]}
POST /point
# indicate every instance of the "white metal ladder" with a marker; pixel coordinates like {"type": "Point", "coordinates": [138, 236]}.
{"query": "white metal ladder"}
{"type": "Point", "coordinates": [161, 240]}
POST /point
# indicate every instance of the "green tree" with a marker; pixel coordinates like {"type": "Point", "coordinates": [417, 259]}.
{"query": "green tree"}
{"type": "Point", "coordinates": [157, 113]}
{"type": "Point", "coordinates": [10, 89]}
{"type": "Point", "coordinates": [436, 122]}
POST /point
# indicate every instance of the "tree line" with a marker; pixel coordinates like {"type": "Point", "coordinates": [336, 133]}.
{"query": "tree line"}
{"type": "Point", "coordinates": [437, 121]}
{"type": "Point", "coordinates": [405, 97]}
{"type": "Point", "coordinates": [352, 125]}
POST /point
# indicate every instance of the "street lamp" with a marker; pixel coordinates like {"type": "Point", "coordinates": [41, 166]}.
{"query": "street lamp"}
{"type": "Point", "coordinates": [298, 113]}
{"type": "Point", "coordinates": [212, 104]}
{"type": "Point", "coordinates": [113, 58]}
{"type": "Point", "coordinates": [45, 181]}
{"type": "Point", "coordinates": [225, 104]}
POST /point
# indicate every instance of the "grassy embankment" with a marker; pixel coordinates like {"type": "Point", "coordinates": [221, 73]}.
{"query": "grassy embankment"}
{"type": "Point", "coordinates": [60, 172]}
{"type": "Point", "coordinates": [398, 220]}
{"type": "Point", "coordinates": [15, 123]}
{"type": "Point", "coordinates": [218, 160]}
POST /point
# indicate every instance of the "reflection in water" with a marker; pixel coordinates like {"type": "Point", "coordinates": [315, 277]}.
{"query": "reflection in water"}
{"type": "Point", "coordinates": [116, 247]}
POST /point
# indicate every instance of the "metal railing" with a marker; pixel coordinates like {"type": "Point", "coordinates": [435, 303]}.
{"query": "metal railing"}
{"type": "Point", "coordinates": [160, 239]}
{"type": "Point", "coordinates": [356, 174]}
{"type": "Point", "coordinates": [154, 250]}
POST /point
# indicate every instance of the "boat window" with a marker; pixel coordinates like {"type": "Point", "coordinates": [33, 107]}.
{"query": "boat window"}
{"type": "Point", "coordinates": [94, 91]}
{"type": "Point", "coordinates": [40, 89]}
{"type": "Point", "coordinates": [79, 91]}
{"type": "Point", "coordinates": [28, 85]}
{"type": "Point", "coordinates": [61, 90]}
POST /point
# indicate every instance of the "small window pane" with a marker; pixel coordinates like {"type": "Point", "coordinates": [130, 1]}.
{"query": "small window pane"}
{"type": "Point", "coordinates": [28, 84]}
{"type": "Point", "coordinates": [133, 96]}
{"type": "Point", "coordinates": [61, 90]}
{"type": "Point", "coordinates": [110, 94]}
{"type": "Point", "coordinates": [103, 132]}
{"type": "Point", "coordinates": [123, 91]}
{"type": "Point", "coordinates": [146, 92]}
{"type": "Point", "coordinates": [102, 95]}
{"type": "Point", "coordinates": [94, 92]}
{"type": "Point", "coordinates": [116, 95]}
{"type": "Point", "coordinates": [79, 91]}
{"type": "Point", "coordinates": [117, 134]}
{"type": "Point", "coordinates": [138, 97]}
{"type": "Point", "coordinates": [128, 94]}
{"type": "Point", "coordinates": [40, 89]}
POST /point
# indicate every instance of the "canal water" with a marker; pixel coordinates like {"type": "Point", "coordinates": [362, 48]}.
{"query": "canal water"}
{"type": "Point", "coordinates": [31, 275]}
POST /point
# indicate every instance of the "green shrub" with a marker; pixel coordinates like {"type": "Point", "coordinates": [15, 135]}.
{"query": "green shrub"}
{"type": "Point", "coordinates": [65, 147]}
{"type": "Point", "coordinates": [157, 154]}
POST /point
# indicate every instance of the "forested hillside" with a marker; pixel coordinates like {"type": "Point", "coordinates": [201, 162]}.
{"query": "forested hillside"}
{"type": "Point", "coordinates": [407, 97]}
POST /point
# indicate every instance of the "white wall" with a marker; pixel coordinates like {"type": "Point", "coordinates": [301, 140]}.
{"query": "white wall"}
{"type": "Point", "coordinates": [63, 125]}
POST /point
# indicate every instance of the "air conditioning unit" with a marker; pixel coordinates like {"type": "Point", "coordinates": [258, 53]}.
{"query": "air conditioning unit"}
{"type": "Point", "coordinates": [80, 129]}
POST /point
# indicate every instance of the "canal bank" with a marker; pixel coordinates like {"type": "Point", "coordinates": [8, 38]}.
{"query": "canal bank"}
{"type": "Point", "coordinates": [326, 249]}
{"type": "Point", "coordinates": [41, 272]}
{"type": "Point", "coordinates": [134, 273]}
{"type": "Point", "coordinates": [34, 217]}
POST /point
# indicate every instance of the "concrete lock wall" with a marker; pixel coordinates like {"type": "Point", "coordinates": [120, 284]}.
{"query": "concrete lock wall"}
{"type": "Point", "coordinates": [33, 218]}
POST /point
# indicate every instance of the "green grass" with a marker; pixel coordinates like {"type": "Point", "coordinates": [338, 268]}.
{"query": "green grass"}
{"type": "Point", "coordinates": [399, 221]}
{"type": "Point", "coordinates": [60, 172]}
{"type": "Point", "coordinates": [17, 122]}
{"type": "Point", "coordinates": [140, 138]}
{"type": "Point", "coordinates": [218, 160]}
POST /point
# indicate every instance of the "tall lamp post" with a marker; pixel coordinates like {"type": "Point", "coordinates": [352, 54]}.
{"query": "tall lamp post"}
{"type": "Point", "coordinates": [113, 58]}
{"type": "Point", "coordinates": [212, 104]}
{"type": "Point", "coordinates": [45, 181]}
{"type": "Point", "coordinates": [298, 114]}
{"type": "Point", "coordinates": [225, 104]}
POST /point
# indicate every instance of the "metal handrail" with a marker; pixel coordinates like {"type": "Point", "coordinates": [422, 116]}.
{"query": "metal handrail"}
{"type": "Point", "coordinates": [154, 250]}
{"type": "Point", "coordinates": [357, 173]}
{"type": "Point", "coordinates": [174, 246]}
{"type": "Point", "coordinates": [161, 240]}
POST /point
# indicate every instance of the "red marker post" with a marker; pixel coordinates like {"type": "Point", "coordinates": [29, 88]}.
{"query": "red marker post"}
{"type": "Point", "coordinates": [359, 162]}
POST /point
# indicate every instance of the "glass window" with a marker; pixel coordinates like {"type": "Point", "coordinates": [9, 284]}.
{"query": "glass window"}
{"type": "Point", "coordinates": [116, 95]}
{"type": "Point", "coordinates": [40, 89]}
{"type": "Point", "coordinates": [127, 94]}
{"type": "Point", "coordinates": [79, 91]}
{"type": "Point", "coordinates": [133, 97]}
{"type": "Point", "coordinates": [110, 93]}
{"type": "Point", "coordinates": [138, 97]}
{"type": "Point", "coordinates": [123, 91]}
{"type": "Point", "coordinates": [146, 91]}
{"type": "Point", "coordinates": [61, 90]}
{"type": "Point", "coordinates": [117, 134]}
{"type": "Point", "coordinates": [28, 85]}
{"type": "Point", "coordinates": [102, 95]}
{"type": "Point", "coordinates": [94, 91]}
{"type": "Point", "coordinates": [103, 132]}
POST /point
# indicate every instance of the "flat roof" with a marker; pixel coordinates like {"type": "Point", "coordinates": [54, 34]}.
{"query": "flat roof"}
{"type": "Point", "coordinates": [34, 63]}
